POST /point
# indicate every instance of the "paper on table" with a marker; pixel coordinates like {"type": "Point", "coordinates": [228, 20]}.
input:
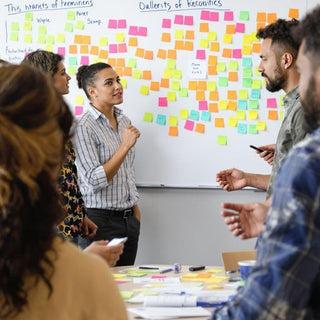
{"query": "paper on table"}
{"type": "Point", "coordinates": [167, 313]}
{"type": "Point", "coordinates": [170, 300]}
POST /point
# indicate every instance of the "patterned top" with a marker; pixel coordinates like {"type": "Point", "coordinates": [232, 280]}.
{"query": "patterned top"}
{"type": "Point", "coordinates": [291, 132]}
{"type": "Point", "coordinates": [285, 283]}
{"type": "Point", "coordinates": [71, 196]}
{"type": "Point", "coordinates": [95, 143]}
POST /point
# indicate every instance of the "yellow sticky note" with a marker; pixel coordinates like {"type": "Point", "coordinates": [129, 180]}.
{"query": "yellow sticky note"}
{"type": "Point", "coordinates": [223, 104]}
{"type": "Point", "coordinates": [247, 39]}
{"type": "Point", "coordinates": [171, 64]}
{"type": "Point", "coordinates": [171, 96]}
{"type": "Point", "coordinates": [176, 74]}
{"type": "Point", "coordinates": [212, 35]}
{"type": "Point", "coordinates": [144, 90]}
{"type": "Point", "coordinates": [222, 67]}
{"type": "Point", "coordinates": [241, 115]}
{"type": "Point", "coordinates": [175, 85]}
{"type": "Point", "coordinates": [120, 37]}
{"type": "Point", "coordinates": [80, 99]}
{"type": "Point", "coordinates": [27, 38]}
{"type": "Point", "coordinates": [216, 279]}
{"type": "Point", "coordinates": [261, 125]}
{"type": "Point", "coordinates": [281, 115]}
{"type": "Point", "coordinates": [178, 34]}
{"type": "Point", "coordinates": [173, 121]}
{"type": "Point", "coordinates": [61, 38]}
{"type": "Point", "coordinates": [27, 26]}
{"type": "Point", "coordinates": [243, 94]}
{"type": "Point", "coordinates": [148, 117]}
{"type": "Point", "coordinates": [42, 29]}
{"type": "Point", "coordinates": [49, 47]}
{"type": "Point", "coordinates": [222, 140]}
{"type": "Point", "coordinates": [232, 122]}
{"type": "Point", "coordinates": [137, 74]}
{"type": "Point", "coordinates": [103, 41]}
{"type": "Point", "coordinates": [233, 65]}
{"type": "Point", "coordinates": [123, 82]}
{"type": "Point", "coordinates": [15, 26]}
{"type": "Point", "coordinates": [119, 275]}
{"type": "Point", "coordinates": [253, 114]}
{"type": "Point", "coordinates": [50, 39]}
{"type": "Point", "coordinates": [80, 25]}
{"type": "Point", "coordinates": [246, 49]}
{"type": "Point", "coordinates": [126, 294]}
{"type": "Point", "coordinates": [71, 15]}
{"type": "Point", "coordinates": [256, 84]}
{"type": "Point", "coordinates": [28, 16]}
{"type": "Point", "coordinates": [184, 114]}
{"type": "Point", "coordinates": [211, 86]}
{"type": "Point", "coordinates": [214, 287]}
{"type": "Point", "coordinates": [167, 73]}
{"type": "Point", "coordinates": [227, 38]}
{"type": "Point", "coordinates": [204, 43]}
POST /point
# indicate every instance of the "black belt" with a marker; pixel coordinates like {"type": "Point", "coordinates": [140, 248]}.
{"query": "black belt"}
{"type": "Point", "coordinates": [125, 214]}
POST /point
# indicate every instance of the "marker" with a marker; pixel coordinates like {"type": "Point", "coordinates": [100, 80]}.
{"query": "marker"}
{"type": "Point", "coordinates": [197, 268]}
{"type": "Point", "coordinates": [206, 304]}
{"type": "Point", "coordinates": [166, 270]}
{"type": "Point", "coordinates": [148, 268]}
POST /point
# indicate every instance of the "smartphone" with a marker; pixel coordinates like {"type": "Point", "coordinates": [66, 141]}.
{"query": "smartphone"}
{"type": "Point", "coordinates": [256, 148]}
{"type": "Point", "coordinates": [116, 241]}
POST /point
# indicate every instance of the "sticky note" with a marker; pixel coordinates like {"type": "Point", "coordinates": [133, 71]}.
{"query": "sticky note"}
{"type": "Point", "coordinates": [293, 13]}
{"type": "Point", "coordinates": [103, 41]}
{"type": "Point", "coordinates": [273, 115]}
{"type": "Point", "coordinates": [122, 23]}
{"type": "Point", "coordinates": [281, 115]}
{"type": "Point", "coordinates": [61, 51]}
{"type": "Point", "coordinates": [253, 115]}
{"type": "Point", "coordinates": [78, 110]}
{"type": "Point", "coordinates": [144, 90]}
{"type": "Point", "coordinates": [164, 83]}
{"type": "Point", "coordinates": [204, 27]}
{"type": "Point", "coordinates": [171, 96]}
{"type": "Point", "coordinates": [219, 122]}
{"type": "Point", "coordinates": [148, 117]}
{"type": "Point", "coordinates": [204, 43]}
{"type": "Point", "coordinates": [42, 29]}
{"type": "Point", "coordinates": [253, 129]}
{"type": "Point", "coordinates": [247, 62]}
{"type": "Point", "coordinates": [203, 105]}
{"type": "Point", "coordinates": [215, 46]}
{"type": "Point", "coordinates": [242, 104]}
{"type": "Point", "coordinates": [214, 16]}
{"type": "Point", "coordinates": [73, 61]}
{"type": "Point", "coordinates": [237, 53]}
{"type": "Point", "coordinates": [103, 54]}
{"type": "Point", "coordinates": [233, 65]}
{"type": "Point", "coordinates": [194, 115]}
{"type": "Point", "coordinates": [179, 45]}
{"type": "Point", "coordinates": [27, 38]}
{"type": "Point", "coordinates": [223, 81]}
{"type": "Point", "coordinates": [136, 73]}
{"type": "Point", "coordinates": [173, 131]}
{"type": "Point", "coordinates": [255, 93]}
{"type": "Point", "coordinates": [221, 67]}
{"type": "Point", "coordinates": [172, 54]}
{"type": "Point", "coordinates": [261, 17]}
{"type": "Point", "coordinates": [214, 95]}
{"type": "Point", "coordinates": [211, 86]}
{"type": "Point", "coordinates": [188, 20]}
{"type": "Point", "coordinates": [247, 72]}
{"type": "Point", "coordinates": [232, 105]}
{"type": "Point", "coordinates": [79, 99]}
{"type": "Point", "coordinates": [178, 19]}
{"type": "Point", "coordinates": [120, 37]}
{"type": "Point", "coordinates": [112, 24]}
{"type": "Point", "coordinates": [161, 119]}
{"type": "Point", "coordinates": [227, 38]}
{"type": "Point", "coordinates": [71, 15]}
{"type": "Point", "coordinates": [232, 122]}
{"type": "Point", "coordinates": [28, 16]}
{"type": "Point", "coordinates": [232, 94]}
{"type": "Point", "coordinates": [271, 18]}
{"type": "Point", "coordinates": [223, 104]}
{"type": "Point", "coordinates": [166, 23]}
{"type": "Point", "coordinates": [246, 50]}
{"type": "Point", "coordinates": [142, 31]}
{"type": "Point", "coordinates": [261, 125]}
{"type": "Point", "coordinates": [212, 36]}
{"type": "Point", "coordinates": [184, 114]}
{"type": "Point", "coordinates": [222, 140]}
{"type": "Point", "coordinates": [230, 29]}
{"type": "Point", "coordinates": [253, 104]}
{"type": "Point", "coordinates": [256, 84]}
{"type": "Point", "coordinates": [80, 25]}
{"type": "Point", "coordinates": [201, 54]}
{"type": "Point", "coordinates": [200, 128]}
{"type": "Point", "coordinates": [189, 125]}
{"type": "Point", "coordinates": [183, 93]}
{"type": "Point", "coordinates": [256, 47]}
{"type": "Point", "coordinates": [27, 26]}
{"type": "Point", "coordinates": [205, 15]}
{"type": "Point", "coordinates": [72, 70]}
{"type": "Point", "coordinates": [84, 60]}
{"type": "Point", "coordinates": [247, 82]}
{"type": "Point", "coordinates": [175, 85]}
{"type": "Point", "coordinates": [202, 85]}
{"type": "Point", "coordinates": [162, 102]}
{"type": "Point", "coordinates": [15, 26]}
{"type": "Point", "coordinates": [68, 27]}
{"type": "Point", "coordinates": [226, 53]}
{"type": "Point", "coordinates": [241, 115]}
{"type": "Point", "coordinates": [212, 70]}
{"type": "Point", "coordinates": [242, 128]}
{"type": "Point", "coordinates": [271, 103]}
{"type": "Point", "coordinates": [205, 116]}
{"type": "Point", "coordinates": [243, 94]}
{"type": "Point", "coordinates": [213, 107]}
{"type": "Point", "coordinates": [200, 95]}
{"type": "Point", "coordinates": [240, 27]}
{"type": "Point", "coordinates": [154, 85]}
{"type": "Point", "coordinates": [228, 16]}
{"type": "Point", "coordinates": [148, 54]}
{"type": "Point", "coordinates": [244, 15]}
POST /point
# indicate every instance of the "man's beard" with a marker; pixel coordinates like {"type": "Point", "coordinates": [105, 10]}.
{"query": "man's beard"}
{"type": "Point", "coordinates": [277, 83]}
{"type": "Point", "coordinates": [311, 108]}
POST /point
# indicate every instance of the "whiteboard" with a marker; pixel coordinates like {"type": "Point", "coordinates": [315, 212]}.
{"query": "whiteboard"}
{"type": "Point", "coordinates": [133, 36]}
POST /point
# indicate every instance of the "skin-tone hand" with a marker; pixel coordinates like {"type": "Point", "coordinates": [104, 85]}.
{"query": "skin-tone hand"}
{"type": "Point", "coordinates": [245, 220]}
{"type": "Point", "coordinates": [89, 228]}
{"type": "Point", "coordinates": [130, 136]}
{"type": "Point", "coordinates": [232, 179]}
{"type": "Point", "coordinates": [268, 155]}
{"type": "Point", "coordinates": [137, 212]}
{"type": "Point", "coordinates": [110, 254]}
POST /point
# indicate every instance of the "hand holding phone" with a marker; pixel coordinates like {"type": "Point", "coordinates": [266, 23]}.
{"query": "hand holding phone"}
{"type": "Point", "coordinates": [116, 241]}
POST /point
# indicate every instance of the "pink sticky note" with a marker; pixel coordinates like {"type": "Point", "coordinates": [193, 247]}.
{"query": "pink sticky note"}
{"type": "Point", "coordinates": [112, 24]}
{"type": "Point", "coordinates": [113, 48]}
{"type": "Point", "coordinates": [188, 20]}
{"type": "Point", "coordinates": [189, 125]}
{"type": "Point", "coordinates": [214, 16]}
{"type": "Point", "coordinates": [178, 19]}
{"type": "Point", "coordinates": [236, 53]}
{"type": "Point", "coordinates": [122, 24]}
{"type": "Point", "coordinates": [84, 60]}
{"type": "Point", "coordinates": [203, 105]}
{"type": "Point", "coordinates": [133, 31]}
{"type": "Point", "coordinates": [240, 27]}
{"type": "Point", "coordinates": [62, 51]}
{"type": "Point", "coordinates": [228, 16]}
{"type": "Point", "coordinates": [163, 102]}
{"type": "Point", "coordinates": [78, 110]}
{"type": "Point", "coordinates": [122, 47]}
{"type": "Point", "coordinates": [205, 15]}
{"type": "Point", "coordinates": [271, 103]}
{"type": "Point", "coordinates": [166, 23]}
{"type": "Point", "coordinates": [142, 31]}
{"type": "Point", "coordinates": [121, 281]}
{"type": "Point", "coordinates": [158, 277]}
{"type": "Point", "coordinates": [201, 54]}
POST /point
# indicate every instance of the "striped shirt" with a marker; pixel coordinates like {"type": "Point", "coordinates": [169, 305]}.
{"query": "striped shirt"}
{"type": "Point", "coordinates": [285, 283]}
{"type": "Point", "coordinates": [95, 142]}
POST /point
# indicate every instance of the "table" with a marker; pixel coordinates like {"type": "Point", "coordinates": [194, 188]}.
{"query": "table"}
{"type": "Point", "coordinates": [212, 278]}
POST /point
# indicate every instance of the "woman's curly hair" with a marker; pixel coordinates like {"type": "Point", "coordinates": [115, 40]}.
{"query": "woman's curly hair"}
{"type": "Point", "coordinates": [34, 126]}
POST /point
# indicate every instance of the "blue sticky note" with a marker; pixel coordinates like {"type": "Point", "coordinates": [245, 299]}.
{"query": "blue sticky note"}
{"type": "Point", "coordinates": [73, 61]}
{"type": "Point", "coordinates": [255, 94]}
{"type": "Point", "coordinates": [205, 116]}
{"type": "Point", "coordinates": [242, 104]}
{"type": "Point", "coordinates": [194, 115]}
{"type": "Point", "coordinates": [247, 62]}
{"type": "Point", "coordinates": [242, 128]}
{"type": "Point", "coordinates": [161, 119]}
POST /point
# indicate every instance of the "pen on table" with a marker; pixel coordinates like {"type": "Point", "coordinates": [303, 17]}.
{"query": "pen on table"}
{"type": "Point", "coordinates": [149, 268]}
{"type": "Point", "coordinates": [166, 270]}
{"type": "Point", "coordinates": [205, 304]}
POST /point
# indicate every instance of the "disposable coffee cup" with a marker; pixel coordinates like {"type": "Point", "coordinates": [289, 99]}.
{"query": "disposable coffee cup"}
{"type": "Point", "coordinates": [245, 267]}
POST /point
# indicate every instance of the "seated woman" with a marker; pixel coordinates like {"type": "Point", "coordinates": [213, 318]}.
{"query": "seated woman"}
{"type": "Point", "coordinates": [41, 275]}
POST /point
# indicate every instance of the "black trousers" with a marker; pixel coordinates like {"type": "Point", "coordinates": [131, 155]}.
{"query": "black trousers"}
{"type": "Point", "coordinates": [115, 226]}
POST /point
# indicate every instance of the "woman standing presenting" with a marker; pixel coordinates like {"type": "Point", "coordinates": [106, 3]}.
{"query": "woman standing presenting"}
{"type": "Point", "coordinates": [104, 144]}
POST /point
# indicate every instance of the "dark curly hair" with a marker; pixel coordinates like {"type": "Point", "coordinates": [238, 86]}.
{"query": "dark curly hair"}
{"type": "Point", "coordinates": [34, 127]}
{"type": "Point", "coordinates": [280, 32]}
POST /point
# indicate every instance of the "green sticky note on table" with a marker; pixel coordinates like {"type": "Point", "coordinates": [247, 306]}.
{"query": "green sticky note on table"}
{"type": "Point", "coordinates": [126, 294]}
{"type": "Point", "coordinates": [253, 129]}
{"type": "Point", "coordinates": [253, 104]}
{"type": "Point", "coordinates": [247, 72]}
{"type": "Point", "coordinates": [132, 63]}
{"type": "Point", "coordinates": [247, 82]}
{"type": "Point", "coordinates": [68, 27]}
{"type": "Point", "coordinates": [175, 85]}
{"type": "Point", "coordinates": [42, 29]}
{"type": "Point", "coordinates": [80, 25]}
{"type": "Point", "coordinates": [148, 117]}
{"type": "Point", "coordinates": [183, 92]}
{"type": "Point", "coordinates": [222, 140]}
{"type": "Point", "coordinates": [15, 26]}
{"type": "Point", "coordinates": [223, 82]}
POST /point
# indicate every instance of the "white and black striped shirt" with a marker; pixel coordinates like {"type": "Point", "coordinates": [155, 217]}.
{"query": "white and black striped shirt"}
{"type": "Point", "coordinates": [95, 142]}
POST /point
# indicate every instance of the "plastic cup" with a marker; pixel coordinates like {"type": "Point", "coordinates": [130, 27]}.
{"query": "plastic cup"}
{"type": "Point", "coordinates": [245, 267]}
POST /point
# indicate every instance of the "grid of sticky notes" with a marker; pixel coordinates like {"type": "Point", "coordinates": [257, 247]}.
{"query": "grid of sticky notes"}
{"type": "Point", "coordinates": [228, 96]}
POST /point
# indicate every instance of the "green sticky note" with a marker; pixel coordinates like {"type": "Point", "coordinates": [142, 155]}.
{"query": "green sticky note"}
{"type": "Point", "coordinates": [72, 70]}
{"type": "Point", "coordinates": [14, 36]}
{"type": "Point", "coordinates": [257, 73]}
{"type": "Point", "coordinates": [80, 25]}
{"type": "Point", "coordinates": [233, 65]}
{"type": "Point", "coordinates": [27, 26]}
{"type": "Point", "coordinates": [184, 114]}
{"type": "Point", "coordinates": [50, 39]}
{"type": "Point", "coordinates": [61, 38]}
{"type": "Point", "coordinates": [253, 129]}
{"type": "Point", "coordinates": [281, 115]}
{"type": "Point", "coordinates": [247, 72]}
{"type": "Point", "coordinates": [171, 96]}
{"type": "Point", "coordinates": [68, 27]}
{"type": "Point", "coordinates": [15, 26]}
{"type": "Point", "coordinates": [171, 64]}
{"type": "Point", "coordinates": [42, 39]}
{"type": "Point", "coordinates": [247, 82]}
{"type": "Point", "coordinates": [243, 94]}
{"type": "Point", "coordinates": [222, 140]}
{"type": "Point", "coordinates": [223, 82]}
{"type": "Point", "coordinates": [28, 16]}
{"type": "Point", "coordinates": [126, 294]}
{"type": "Point", "coordinates": [176, 74]}
{"type": "Point", "coordinates": [205, 116]}
{"type": "Point", "coordinates": [148, 117]}
{"type": "Point", "coordinates": [42, 30]}
{"type": "Point", "coordinates": [71, 15]}
{"type": "Point", "coordinates": [73, 61]}
{"type": "Point", "coordinates": [244, 15]}
{"type": "Point", "coordinates": [211, 86]}
{"type": "Point", "coordinates": [175, 85]}
{"type": "Point", "coordinates": [194, 115]}
{"type": "Point", "coordinates": [132, 63]}
{"type": "Point", "coordinates": [161, 119]}
{"type": "Point", "coordinates": [183, 92]}
{"type": "Point", "coordinates": [253, 104]}
{"type": "Point", "coordinates": [28, 38]}
{"type": "Point", "coordinates": [137, 74]}
{"type": "Point", "coordinates": [173, 121]}
{"type": "Point", "coordinates": [144, 90]}
{"type": "Point", "coordinates": [178, 34]}
{"type": "Point", "coordinates": [222, 67]}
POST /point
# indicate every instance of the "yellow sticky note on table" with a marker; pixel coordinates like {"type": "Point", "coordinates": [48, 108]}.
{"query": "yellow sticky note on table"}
{"type": "Point", "coordinates": [126, 294]}
{"type": "Point", "coordinates": [214, 287]}
{"type": "Point", "coordinates": [222, 140]}
{"type": "Point", "coordinates": [173, 121]}
{"type": "Point", "coordinates": [80, 99]}
{"type": "Point", "coordinates": [216, 279]}
{"type": "Point", "coordinates": [232, 122]}
{"type": "Point", "coordinates": [261, 125]}
{"type": "Point", "coordinates": [253, 114]}
{"type": "Point", "coordinates": [119, 275]}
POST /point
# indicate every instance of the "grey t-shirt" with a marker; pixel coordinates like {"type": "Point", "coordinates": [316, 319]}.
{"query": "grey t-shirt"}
{"type": "Point", "coordinates": [291, 132]}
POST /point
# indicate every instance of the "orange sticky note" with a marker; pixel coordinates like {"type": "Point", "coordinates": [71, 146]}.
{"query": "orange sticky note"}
{"type": "Point", "coordinates": [86, 39]}
{"type": "Point", "coordinates": [73, 49]}
{"type": "Point", "coordinates": [189, 35]}
{"type": "Point", "coordinates": [94, 50]}
{"type": "Point", "coordinates": [293, 13]}
{"type": "Point", "coordinates": [112, 62]}
{"type": "Point", "coordinates": [232, 105]}
{"type": "Point", "coordinates": [261, 25]}
{"type": "Point", "coordinates": [261, 17]}
{"type": "Point", "coordinates": [200, 95]}
{"type": "Point", "coordinates": [154, 86]}
{"type": "Point", "coordinates": [146, 75]}
{"type": "Point", "coordinates": [103, 54]}
{"type": "Point", "coordinates": [165, 37]}
{"type": "Point", "coordinates": [188, 45]}
{"type": "Point", "coordinates": [227, 53]}
{"type": "Point", "coordinates": [212, 70]}
{"type": "Point", "coordinates": [119, 71]}
{"type": "Point", "coordinates": [200, 127]}
{"type": "Point", "coordinates": [193, 85]}
{"type": "Point", "coordinates": [256, 47]}
{"type": "Point", "coordinates": [233, 76]}
{"type": "Point", "coordinates": [78, 38]}
{"type": "Point", "coordinates": [232, 94]}
{"type": "Point", "coordinates": [219, 122]}
{"type": "Point", "coordinates": [164, 83]}
{"type": "Point", "coordinates": [215, 46]}
{"type": "Point", "coordinates": [179, 45]}
{"type": "Point", "coordinates": [230, 28]}
{"type": "Point", "coordinates": [213, 107]}
{"type": "Point", "coordinates": [133, 42]}
{"type": "Point", "coordinates": [273, 115]}
{"type": "Point", "coordinates": [202, 85]}
{"type": "Point", "coordinates": [121, 62]}
{"type": "Point", "coordinates": [212, 60]}
{"type": "Point", "coordinates": [162, 54]}
{"type": "Point", "coordinates": [127, 71]}
{"type": "Point", "coordinates": [84, 49]}
{"type": "Point", "coordinates": [271, 18]}
{"type": "Point", "coordinates": [172, 54]}
{"type": "Point", "coordinates": [173, 131]}
{"type": "Point", "coordinates": [148, 55]}
{"type": "Point", "coordinates": [140, 52]}
{"type": "Point", "coordinates": [204, 27]}
{"type": "Point", "coordinates": [214, 96]}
